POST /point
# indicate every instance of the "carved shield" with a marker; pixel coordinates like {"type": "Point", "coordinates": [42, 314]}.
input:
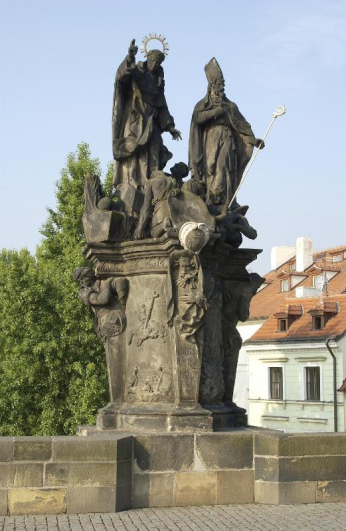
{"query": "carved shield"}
{"type": "Point", "coordinates": [187, 206]}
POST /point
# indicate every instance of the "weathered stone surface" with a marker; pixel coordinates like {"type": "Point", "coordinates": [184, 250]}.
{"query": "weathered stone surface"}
{"type": "Point", "coordinates": [36, 501]}
{"type": "Point", "coordinates": [194, 488]}
{"type": "Point", "coordinates": [164, 452]}
{"type": "Point", "coordinates": [267, 492]}
{"type": "Point", "coordinates": [124, 471]}
{"type": "Point", "coordinates": [152, 490]}
{"type": "Point", "coordinates": [84, 449]}
{"type": "Point", "coordinates": [90, 499]}
{"type": "Point", "coordinates": [280, 493]}
{"type": "Point", "coordinates": [143, 423]}
{"type": "Point", "coordinates": [297, 492]}
{"type": "Point", "coordinates": [266, 444]}
{"type": "Point", "coordinates": [312, 468]}
{"type": "Point", "coordinates": [190, 423]}
{"type": "Point", "coordinates": [331, 491]}
{"type": "Point", "coordinates": [3, 502]}
{"type": "Point", "coordinates": [123, 497]}
{"type": "Point", "coordinates": [287, 445]}
{"type": "Point", "coordinates": [6, 449]}
{"type": "Point", "coordinates": [80, 474]}
{"type": "Point", "coordinates": [300, 468]}
{"type": "Point", "coordinates": [266, 469]}
{"type": "Point", "coordinates": [21, 475]}
{"type": "Point", "coordinates": [225, 450]}
{"type": "Point", "coordinates": [235, 486]}
{"type": "Point", "coordinates": [319, 444]}
{"type": "Point", "coordinates": [32, 448]}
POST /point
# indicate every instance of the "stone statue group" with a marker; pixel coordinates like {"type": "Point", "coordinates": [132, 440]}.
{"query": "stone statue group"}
{"type": "Point", "coordinates": [169, 282]}
{"type": "Point", "coordinates": [220, 146]}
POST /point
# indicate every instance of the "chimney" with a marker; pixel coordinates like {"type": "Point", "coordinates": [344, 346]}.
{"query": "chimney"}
{"type": "Point", "coordinates": [304, 255]}
{"type": "Point", "coordinates": [280, 255]}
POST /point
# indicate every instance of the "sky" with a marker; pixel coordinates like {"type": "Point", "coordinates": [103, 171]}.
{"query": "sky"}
{"type": "Point", "coordinates": [58, 59]}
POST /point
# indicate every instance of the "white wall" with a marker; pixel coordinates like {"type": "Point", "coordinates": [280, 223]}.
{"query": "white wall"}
{"type": "Point", "coordinates": [294, 413]}
{"type": "Point", "coordinates": [342, 370]}
{"type": "Point", "coordinates": [241, 389]}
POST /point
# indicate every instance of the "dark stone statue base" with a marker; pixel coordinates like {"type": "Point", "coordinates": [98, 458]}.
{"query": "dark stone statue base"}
{"type": "Point", "coordinates": [170, 418]}
{"type": "Point", "coordinates": [170, 333]}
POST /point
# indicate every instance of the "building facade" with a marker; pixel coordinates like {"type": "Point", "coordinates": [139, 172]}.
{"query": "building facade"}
{"type": "Point", "coordinates": [289, 370]}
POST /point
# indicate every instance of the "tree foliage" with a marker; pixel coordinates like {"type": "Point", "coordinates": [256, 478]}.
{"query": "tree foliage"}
{"type": "Point", "coordinates": [52, 366]}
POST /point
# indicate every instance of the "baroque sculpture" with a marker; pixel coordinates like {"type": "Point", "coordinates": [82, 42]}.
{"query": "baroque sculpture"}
{"type": "Point", "coordinates": [169, 281]}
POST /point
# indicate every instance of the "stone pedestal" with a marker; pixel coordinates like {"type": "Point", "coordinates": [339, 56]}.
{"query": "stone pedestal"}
{"type": "Point", "coordinates": [170, 335]}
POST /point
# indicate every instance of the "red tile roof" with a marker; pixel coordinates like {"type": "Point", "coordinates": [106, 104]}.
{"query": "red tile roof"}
{"type": "Point", "coordinates": [270, 300]}
{"type": "Point", "coordinates": [301, 328]}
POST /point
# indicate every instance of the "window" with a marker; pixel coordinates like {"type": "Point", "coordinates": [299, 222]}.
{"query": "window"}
{"type": "Point", "coordinates": [282, 325]}
{"type": "Point", "coordinates": [312, 383]}
{"type": "Point", "coordinates": [275, 383]}
{"type": "Point", "coordinates": [337, 258]}
{"type": "Point", "coordinates": [317, 322]}
{"type": "Point", "coordinates": [318, 281]}
{"type": "Point", "coordinates": [293, 266]}
{"type": "Point", "coordinates": [284, 285]}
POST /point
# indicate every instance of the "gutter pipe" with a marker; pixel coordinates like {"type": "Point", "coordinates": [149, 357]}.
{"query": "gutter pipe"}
{"type": "Point", "coordinates": [334, 384]}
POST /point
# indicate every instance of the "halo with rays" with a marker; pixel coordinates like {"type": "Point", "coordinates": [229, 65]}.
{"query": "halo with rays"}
{"type": "Point", "coordinates": [156, 37]}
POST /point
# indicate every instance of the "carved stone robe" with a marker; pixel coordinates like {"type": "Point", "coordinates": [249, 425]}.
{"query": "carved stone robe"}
{"type": "Point", "coordinates": [140, 116]}
{"type": "Point", "coordinates": [219, 148]}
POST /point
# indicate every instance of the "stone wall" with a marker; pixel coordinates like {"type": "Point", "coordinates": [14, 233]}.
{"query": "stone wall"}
{"type": "Point", "coordinates": [41, 475]}
{"type": "Point", "coordinates": [107, 473]}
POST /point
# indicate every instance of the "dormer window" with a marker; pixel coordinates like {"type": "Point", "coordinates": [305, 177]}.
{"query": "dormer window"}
{"type": "Point", "coordinates": [318, 281]}
{"type": "Point", "coordinates": [287, 315]}
{"type": "Point", "coordinates": [282, 325]}
{"type": "Point", "coordinates": [293, 266]}
{"type": "Point", "coordinates": [322, 313]}
{"type": "Point", "coordinates": [337, 258]}
{"type": "Point", "coordinates": [285, 285]}
{"type": "Point", "coordinates": [317, 322]}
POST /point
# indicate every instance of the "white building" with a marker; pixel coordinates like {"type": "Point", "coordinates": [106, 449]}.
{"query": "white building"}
{"type": "Point", "coordinates": [285, 377]}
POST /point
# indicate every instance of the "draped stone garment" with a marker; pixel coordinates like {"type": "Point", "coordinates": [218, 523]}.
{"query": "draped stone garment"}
{"type": "Point", "coordinates": [219, 148]}
{"type": "Point", "coordinates": [140, 116]}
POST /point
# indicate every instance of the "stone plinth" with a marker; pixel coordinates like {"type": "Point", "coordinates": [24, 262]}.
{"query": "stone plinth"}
{"type": "Point", "coordinates": [104, 472]}
{"type": "Point", "coordinates": [169, 334]}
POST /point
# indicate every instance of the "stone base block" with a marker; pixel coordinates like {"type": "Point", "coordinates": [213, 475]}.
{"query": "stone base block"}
{"type": "Point", "coordinates": [234, 486]}
{"type": "Point", "coordinates": [294, 492]}
{"type": "Point", "coordinates": [225, 417]}
{"type": "Point", "coordinates": [90, 499]}
{"type": "Point", "coordinates": [156, 418]}
{"type": "Point", "coordinates": [331, 491]}
{"type": "Point", "coordinates": [154, 489]}
{"type": "Point", "coordinates": [195, 488]}
{"type": "Point", "coordinates": [123, 499]}
{"type": "Point", "coordinates": [3, 502]}
{"type": "Point", "coordinates": [36, 501]}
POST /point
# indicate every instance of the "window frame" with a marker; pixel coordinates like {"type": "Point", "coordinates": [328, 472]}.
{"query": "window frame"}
{"type": "Point", "coordinates": [276, 366]}
{"type": "Point", "coordinates": [288, 285]}
{"type": "Point", "coordinates": [314, 317]}
{"type": "Point", "coordinates": [282, 320]}
{"type": "Point", "coordinates": [303, 386]}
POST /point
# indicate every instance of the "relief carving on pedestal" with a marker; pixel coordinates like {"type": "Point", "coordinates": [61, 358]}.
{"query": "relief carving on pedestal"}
{"type": "Point", "coordinates": [147, 328]}
{"type": "Point", "coordinates": [148, 385]}
{"type": "Point", "coordinates": [212, 379]}
{"type": "Point", "coordinates": [186, 303]}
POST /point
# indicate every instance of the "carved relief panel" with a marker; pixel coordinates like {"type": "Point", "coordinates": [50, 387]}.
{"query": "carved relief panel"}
{"type": "Point", "coordinates": [148, 350]}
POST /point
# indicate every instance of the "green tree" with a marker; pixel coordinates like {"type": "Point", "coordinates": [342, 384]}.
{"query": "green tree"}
{"type": "Point", "coordinates": [52, 364]}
